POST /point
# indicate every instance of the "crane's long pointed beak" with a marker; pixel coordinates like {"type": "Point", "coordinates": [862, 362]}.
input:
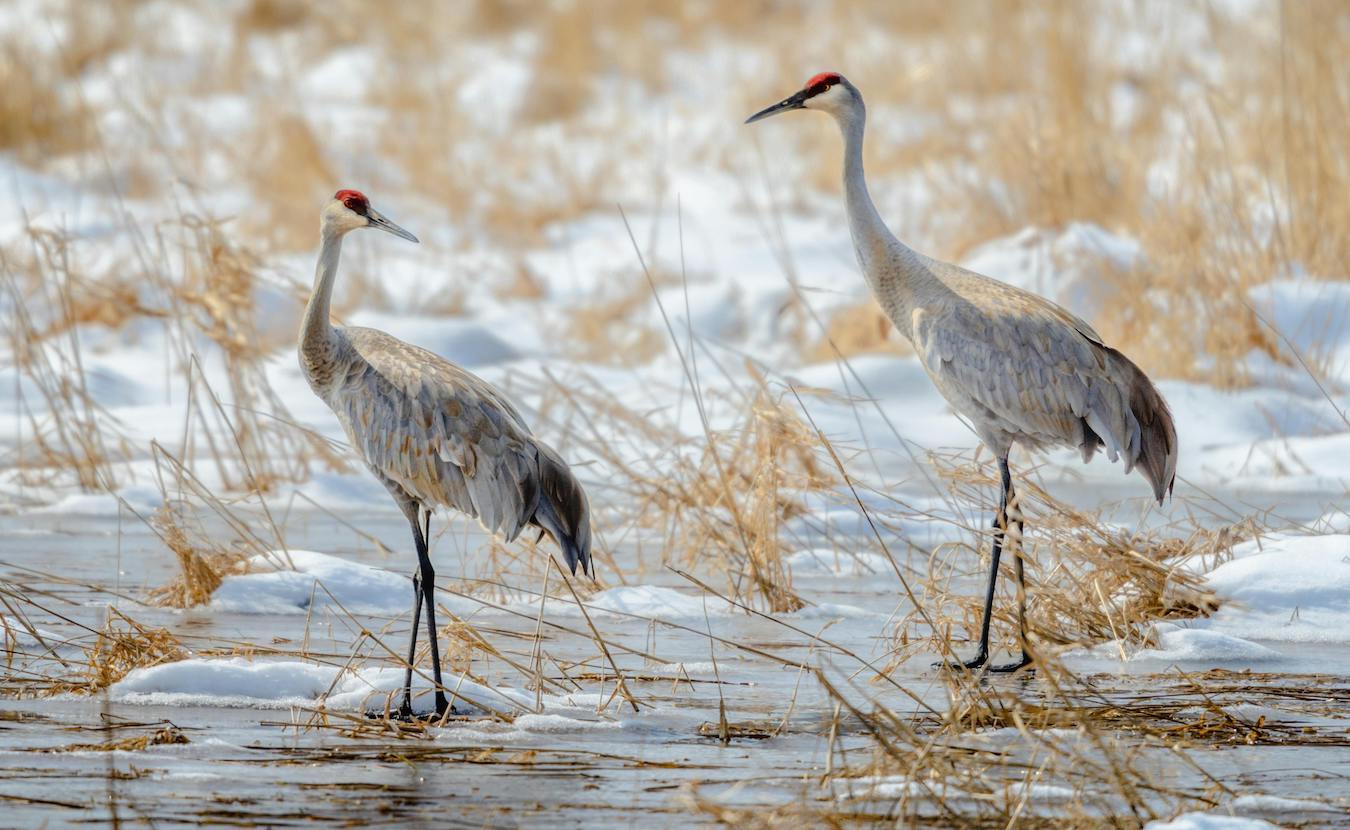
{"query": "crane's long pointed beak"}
{"type": "Point", "coordinates": [377, 220]}
{"type": "Point", "coordinates": [795, 102]}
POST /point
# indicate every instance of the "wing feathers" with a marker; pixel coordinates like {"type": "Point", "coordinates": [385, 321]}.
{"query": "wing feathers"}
{"type": "Point", "coordinates": [1025, 370]}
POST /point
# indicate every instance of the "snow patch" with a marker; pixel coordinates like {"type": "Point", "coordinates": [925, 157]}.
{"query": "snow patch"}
{"type": "Point", "coordinates": [1286, 588]}
{"type": "Point", "coordinates": [1191, 645]}
{"type": "Point", "coordinates": [323, 582]}
{"type": "Point", "coordinates": [277, 684]}
{"type": "Point", "coordinates": [1074, 266]}
{"type": "Point", "coordinates": [659, 603]}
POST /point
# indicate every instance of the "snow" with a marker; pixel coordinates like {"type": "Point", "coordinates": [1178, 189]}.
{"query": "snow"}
{"type": "Point", "coordinates": [658, 603]}
{"type": "Point", "coordinates": [467, 343]}
{"type": "Point", "coordinates": [318, 580]}
{"type": "Point", "coordinates": [1286, 588]}
{"type": "Point", "coordinates": [1283, 588]}
{"type": "Point", "coordinates": [1081, 267]}
{"type": "Point", "coordinates": [1199, 645]}
{"type": "Point", "coordinates": [230, 682]}
{"type": "Point", "coordinates": [321, 582]}
{"type": "Point", "coordinates": [279, 684]}
{"type": "Point", "coordinates": [141, 498]}
{"type": "Point", "coordinates": [1315, 316]}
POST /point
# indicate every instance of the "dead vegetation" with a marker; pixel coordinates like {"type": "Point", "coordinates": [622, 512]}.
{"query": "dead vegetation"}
{"type": "Point", "coordinates": [168, 735]}
{"type": "Point", "coordinates": [1088, 581]}
{"type": "Point", "coordinates": [202, 563]}
{"type": "Point", "coordinates": [1252, 179]}
{"type": "Point", "coordinates": [124, 645]}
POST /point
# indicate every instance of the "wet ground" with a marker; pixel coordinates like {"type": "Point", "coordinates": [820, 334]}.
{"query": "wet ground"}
{"type": "Point", "coordinates": [1284, 731]}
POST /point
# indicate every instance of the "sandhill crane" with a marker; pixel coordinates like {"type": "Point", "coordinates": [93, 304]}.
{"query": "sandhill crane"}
{"type": "Point", "coordinates": [433, 434]}
{"type": "Point", "coordinates": [1020, 368]}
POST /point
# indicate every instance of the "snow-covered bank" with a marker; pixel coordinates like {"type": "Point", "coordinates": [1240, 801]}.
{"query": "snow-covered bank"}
{"type": "Point", "coordinates": [1286, 588]}
{"type": "Point", "coordinates": [1283, 588]}
{"type": "Point", "coordinates": [320, 582]}
{"type": "Point", "coordinates": [279, 684]}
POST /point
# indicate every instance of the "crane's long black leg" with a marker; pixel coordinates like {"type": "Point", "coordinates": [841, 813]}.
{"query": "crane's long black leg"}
{"type": "Point", "coordinates": [1000, 523]}
{"type": "Point", "coordinates": [413, 512]}
{"type": "Point", "coordinates": [1021, 596]}
{"type": "Point", "coordinates": [429, 600]}
{"type": "Point", "coordinates": [405, 709]}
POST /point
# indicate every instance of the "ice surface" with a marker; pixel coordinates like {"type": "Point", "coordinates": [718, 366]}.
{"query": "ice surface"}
{"type": "Point", "coordinates": [826, 562]}
{"type": "Point", "coordinates": [15, 633]}
{"type": "Point", "coordinates": [1209, 821]}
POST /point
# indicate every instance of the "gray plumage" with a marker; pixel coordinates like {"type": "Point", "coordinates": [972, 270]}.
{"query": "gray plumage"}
{"type": "Point", "coordinates": [1020, 368]}
{"type": "Point", "coordinates": [1025, 371]}
{"type": "Point", "coordinates": [434, 434]}
{"type": "Point", "coordinates": [440, 436]}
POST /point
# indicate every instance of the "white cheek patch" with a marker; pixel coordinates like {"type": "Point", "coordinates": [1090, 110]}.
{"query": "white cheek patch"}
{"type": "Point", "coordinates": [828, 98]}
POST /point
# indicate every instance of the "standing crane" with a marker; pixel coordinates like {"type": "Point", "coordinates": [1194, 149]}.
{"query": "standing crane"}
{"type": "Point", "coordinates": [1020, 368]}
{"type": "Point", "coordinates": [434, 434]}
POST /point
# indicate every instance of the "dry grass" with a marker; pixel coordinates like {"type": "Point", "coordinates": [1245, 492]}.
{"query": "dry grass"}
{"type": "Point", "coordinates": [38, 119]}
{"type": "Point", "coordinates": [1088, 581]}
{"type": "Point", "coordinates": [202, 562]}
{"type": "Point", "coordinates": [1004, 113]}
{"type": "Point", "coordinates": [855, 330]}
{"type": "Point", "coordinates": [124, 645]}
{"type": "Point", "coordinates": [721, 505]}
{"type": "Point", "coordinates": [168, 735]}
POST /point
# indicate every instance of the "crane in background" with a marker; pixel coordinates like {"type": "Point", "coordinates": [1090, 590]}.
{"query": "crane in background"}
{"type": "Point", "coordinates": [1020, 368]}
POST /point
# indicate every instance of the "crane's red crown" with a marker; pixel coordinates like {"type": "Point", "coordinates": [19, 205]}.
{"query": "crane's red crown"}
{"type": "Point", "coordinates": [823, 81]}
{"type": "Point", "coordinates": [354, 200]}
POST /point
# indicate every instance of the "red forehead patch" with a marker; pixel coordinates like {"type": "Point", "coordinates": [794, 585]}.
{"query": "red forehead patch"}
{"type": "Point", "coordinates": [826, 78]}
{"type": "Point", "coordinates": [354, 200]}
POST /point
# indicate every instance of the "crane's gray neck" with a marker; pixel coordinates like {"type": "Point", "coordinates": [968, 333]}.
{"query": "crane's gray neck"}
{"type": "Point", "coordinates": [318, 341]}
{"type": "Point", "coordinates": [893, 270]}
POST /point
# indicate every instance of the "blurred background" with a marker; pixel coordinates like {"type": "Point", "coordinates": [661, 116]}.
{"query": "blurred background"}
{"type": "Point", "coordinates": [1175, 172]}
{"type": "Point", "coordinates": [1209, 132]}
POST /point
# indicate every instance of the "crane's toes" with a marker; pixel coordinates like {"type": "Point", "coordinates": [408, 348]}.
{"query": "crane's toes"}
{"type": "Point", "coordinates": [409, 716]}
{"type": "Point", "coordinates": [443, 707]}
{"type": "Point", "coordinates": [977, 662]}
{"type": "Point", "coordinates": [1008, 668]}
{"type": "Point", "coordinates": [405, 713]}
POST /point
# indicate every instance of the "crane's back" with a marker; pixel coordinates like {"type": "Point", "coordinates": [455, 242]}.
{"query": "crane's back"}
{"type": "Point", "coordinates": [1025, 370]}
{"type": "Point", "coordinates": [441, 436]}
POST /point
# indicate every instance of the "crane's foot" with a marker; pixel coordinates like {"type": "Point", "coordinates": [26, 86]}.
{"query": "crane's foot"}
{"type": "Point", "coordinates": [405, 714]}
{"type": "Point", "coordinates": [1008, 668]}
{"type": "Point", "coordinates": [443, 706]}
{"type": "Point", "coordinates": [976, 662]}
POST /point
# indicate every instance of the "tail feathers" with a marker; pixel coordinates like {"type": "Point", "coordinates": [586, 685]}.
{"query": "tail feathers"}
{"type": "Point", "coordinates": [1156, 454]}
{"type": "Point", "coordinates": [563, 510]}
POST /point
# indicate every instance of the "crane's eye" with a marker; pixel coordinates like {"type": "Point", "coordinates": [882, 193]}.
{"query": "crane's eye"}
{"type": "Point", "coordinates": [819, 88]}
{"type": "Point", "coordinates": [356, 206]}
